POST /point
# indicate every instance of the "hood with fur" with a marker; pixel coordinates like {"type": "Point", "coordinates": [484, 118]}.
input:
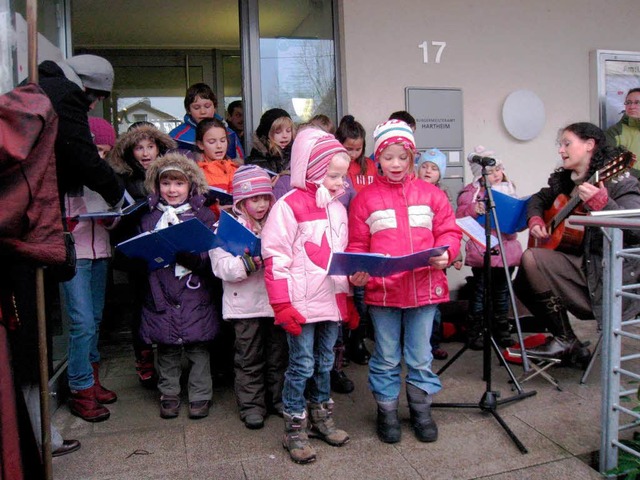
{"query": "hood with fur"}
{"type": "Point", "coordinates": [121, 158]}
{"type": "Point", "coordinates": [196, 178]}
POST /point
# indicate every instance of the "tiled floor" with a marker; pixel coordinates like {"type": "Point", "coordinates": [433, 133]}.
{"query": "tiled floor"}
{"type": "Point", "coordinates": [557, 428]}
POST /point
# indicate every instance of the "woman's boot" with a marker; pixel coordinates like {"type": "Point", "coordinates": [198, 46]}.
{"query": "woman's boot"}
{"type": "Point", "coordinates": [83, 404]}
{"type": "Point", "coordinates": [103, 395]}
{"type": "Point", "coordinates": [296, 440]}
{"type": "Point", "coordinates": [475, 336]}
{"type": "Point", "coordinates": [340, 383]}
{"type": "Point", "coordinates": [563, 345]}
{"type": "Point", "coordinates": [357, 351]}
{"type": "Point", "coordinates": [502, 330]}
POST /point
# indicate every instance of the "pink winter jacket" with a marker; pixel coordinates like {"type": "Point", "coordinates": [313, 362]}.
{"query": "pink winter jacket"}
{"type": "Point", "coordinates": [91, 236]}
{"type": "Point", "coordinates": [467, 201]}
{"type": "Point", "coordinates": [399, 219]}
{"type": "Point", "coordinates": [297, 241]}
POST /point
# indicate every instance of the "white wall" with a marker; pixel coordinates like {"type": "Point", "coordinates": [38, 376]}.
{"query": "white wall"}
{"type": "Point", "coordinates": [493, 48]}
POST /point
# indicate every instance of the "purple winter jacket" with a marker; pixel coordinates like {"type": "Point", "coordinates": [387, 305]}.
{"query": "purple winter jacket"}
{"type": "Point", "coordinates": [179, 311]}
{"type": "Point", "coordinates": [474, 257]}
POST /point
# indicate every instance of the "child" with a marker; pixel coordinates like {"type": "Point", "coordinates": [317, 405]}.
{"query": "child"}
{"type": "Point", "coordinates": [431, 167]}
{"type": "Point", "coordinates": [84, 294]}
{"type": "Point", "coordinates": [399, 215]}
{"type": "Point", "coordinates": [200, 102]}
{"type": "Point", "coordinates": [272, 141]}
{"type": "Point", "coordinates": [471, 203]}
{"type": "Point", "coordinates": [212, 140]}
{"type": "Point", "coordinates": [304, 227]}
{"type": "Point", "coordinates": [133, 153]}
{"type": "Point", "coordinates": [178, 312]}
{"type": "Point", "coordinates": [260, 346]}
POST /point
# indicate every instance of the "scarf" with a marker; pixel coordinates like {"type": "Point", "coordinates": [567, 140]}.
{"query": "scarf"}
{"type": "Point", "coordinates": [170, 214]}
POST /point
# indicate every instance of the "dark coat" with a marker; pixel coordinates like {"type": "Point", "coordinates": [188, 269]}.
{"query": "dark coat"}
{"type": "Point", "coordinates": [624, 194]}
{"type": "Point", "coordinates": [174, 312]}
{"type": "Point", "coordinates": [261, 157]}
{"type": "Point", "coordinates": [77, 159]}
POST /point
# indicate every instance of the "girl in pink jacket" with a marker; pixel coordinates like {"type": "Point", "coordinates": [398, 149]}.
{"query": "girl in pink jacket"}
{"type": "Point", "coordinates": [302, 230]}
{"type": "Point", "coordinates": [398, 215]}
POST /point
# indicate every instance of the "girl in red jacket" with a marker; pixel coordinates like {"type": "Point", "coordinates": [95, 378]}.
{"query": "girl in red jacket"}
{"type": "Point", "coordinates": [398, 215]}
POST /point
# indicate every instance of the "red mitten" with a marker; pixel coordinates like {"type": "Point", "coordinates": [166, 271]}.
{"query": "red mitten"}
{"type": "Point", "coordinates": [288, 318]}
{"type": "Point", "coordinates": [353, 317]}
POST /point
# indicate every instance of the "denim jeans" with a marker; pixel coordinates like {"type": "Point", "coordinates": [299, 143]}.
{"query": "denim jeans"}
{"type": "Point", "coordinates": [310, 357]}
{"type": "Point", "coordinates": [385, 364]}
{"type": "Point", "coordinates": [84, 301]}
{"type": "Point", "coordinates": [499, 291]}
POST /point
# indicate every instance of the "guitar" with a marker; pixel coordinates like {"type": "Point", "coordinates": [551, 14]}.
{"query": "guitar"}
{"type": "Point", "coordinates": [566, 238]}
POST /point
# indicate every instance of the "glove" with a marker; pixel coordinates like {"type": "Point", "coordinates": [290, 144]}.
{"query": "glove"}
{"type": "Point", "coordinates": [251, 264]}
{"type": "Point", "coordinates": [353, 317]}
{"type": "Point", "coordinates": [288, 318]}
{"type": "Point", "coordinates": [189, 260]}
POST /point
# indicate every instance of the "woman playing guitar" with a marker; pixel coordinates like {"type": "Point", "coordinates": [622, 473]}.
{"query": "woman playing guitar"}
{"type": "Point", "coordinates": [552, 283]}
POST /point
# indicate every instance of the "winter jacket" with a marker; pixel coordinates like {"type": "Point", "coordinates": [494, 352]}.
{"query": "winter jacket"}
{"type": "Point", "coordinates": [185, 135]}
{"type": "Point", "coordinates": [297, 241]}
{"type": "Point", "coordinates": [244, 295]}
{"type": "Point", "coordinates": [626, 133]}
{"type": "Point", "coordinates": [474, 257]}
{"type": "Point", "coordinates": [261, 156]}
{"type": "Point", "coordinates": [623, 194]}
{"type": "Point", "coordinates": [400, 218]}
{"type": "Point", "coordinates": [30, 217]}
{"type": "Point", "coordinates": [283, 185]}
{"type": "Point", "coordinates": [77, 159]}
{"type": "Point", "coordinates": [219, 173]}
{"type": "Point", "coordinates": [90, 235]}
{"type": "Point", "coordinates": [356, 179]}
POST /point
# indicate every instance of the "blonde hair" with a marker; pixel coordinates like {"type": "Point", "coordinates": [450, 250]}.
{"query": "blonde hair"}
{"type": "Point", "coordinates": [256, 225]}
{"type": "Point", "coordinates": [276, 126]}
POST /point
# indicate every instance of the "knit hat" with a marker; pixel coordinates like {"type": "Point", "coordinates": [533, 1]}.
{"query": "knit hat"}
{"type": "Point", "coordinates": [267, 120]}
{"type": "Point", "coordinates": [102, 131]}
{"type": "Point", "coordinates": [390, 132]}
{"type": "Point", "coordinates": [94, 72]}
{"type": "Point", "coordinates": [250, 181]}
{"type": "Point", "coordinates": [433, 155]}
{"type": "Point", "coordinates": [321, 154]}
{"type": "Point", "coordinates": [482, 151]}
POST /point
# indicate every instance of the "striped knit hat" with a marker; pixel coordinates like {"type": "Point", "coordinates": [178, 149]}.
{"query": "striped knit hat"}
{"type": "Point", "coordinates": [391, 132]}
{"type": "Point", "coordinates": [321, 154]}
{"type": "Point", "coordinates": [250, 181]}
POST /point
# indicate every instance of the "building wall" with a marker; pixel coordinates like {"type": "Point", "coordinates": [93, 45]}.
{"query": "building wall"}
{"type": "Point", "coordinates": [494, 47]}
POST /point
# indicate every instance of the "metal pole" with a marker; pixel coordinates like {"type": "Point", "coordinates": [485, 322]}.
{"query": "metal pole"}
{"type": "Point", "coordinates": [43, 357]}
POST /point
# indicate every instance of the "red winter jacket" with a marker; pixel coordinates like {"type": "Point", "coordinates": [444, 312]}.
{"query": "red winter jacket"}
{"type": "Point", "coordinates": [399, 219]}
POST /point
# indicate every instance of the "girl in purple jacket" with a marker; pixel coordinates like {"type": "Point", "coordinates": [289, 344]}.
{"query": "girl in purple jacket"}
{"type": "Point", "coordinates": [471, 203]}
{"type": "Point", "coordinates": [178, 312]}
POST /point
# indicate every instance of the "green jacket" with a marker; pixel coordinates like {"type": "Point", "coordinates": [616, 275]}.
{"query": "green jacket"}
{"type": "Point", "coordinates": [626, 133]}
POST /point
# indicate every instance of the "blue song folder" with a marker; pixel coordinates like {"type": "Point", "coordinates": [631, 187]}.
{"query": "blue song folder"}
{"type": "Point", "coordinates": [234, 237]}
{"type": "Point", "coordinates": [159, 247]}
{"type": "Point", "coordinates": [378, 265]}
{"type": "Point", "coordinates": [511, 212]}
{"type": "Point", "coordinates": [224, 197]}
{"type": "Point", "coordinates": [113, 213]}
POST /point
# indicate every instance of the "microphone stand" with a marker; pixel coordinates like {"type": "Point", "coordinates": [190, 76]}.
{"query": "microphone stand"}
{"type": "Point", "coordinates": [489, 401]}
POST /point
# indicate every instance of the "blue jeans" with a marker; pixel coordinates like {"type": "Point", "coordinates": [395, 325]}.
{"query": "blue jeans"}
{"type": "Point", "coordinates": [310, 357]}
{"type": "Point", "coordinates": [84, 300]}
{"type": "Point", "coordinates": [385, 364]}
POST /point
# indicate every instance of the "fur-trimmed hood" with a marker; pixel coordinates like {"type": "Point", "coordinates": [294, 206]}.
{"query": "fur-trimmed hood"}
{"type": "Point", "coordinates": [121, 158]}
{"type": "Point", "coordinates": [196, 178]}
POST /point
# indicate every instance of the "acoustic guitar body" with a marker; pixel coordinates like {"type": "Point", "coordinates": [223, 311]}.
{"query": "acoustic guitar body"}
{"type": "Point", "coordinates": [564, 238]}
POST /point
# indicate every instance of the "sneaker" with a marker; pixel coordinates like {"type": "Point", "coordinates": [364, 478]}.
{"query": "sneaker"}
{"type": "Point", "coordinates": [199, 409]}
{"type": "Point", "coordinates": [254, 421]}
{"type": "Point", "coordinates": [169, 406]}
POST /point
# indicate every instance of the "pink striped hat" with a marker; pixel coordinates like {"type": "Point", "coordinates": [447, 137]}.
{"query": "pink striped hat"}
{"type": "Point", "coordinates": [250, 181]}
{"type": "Point", "coordinates": [321, 154]}
{"type": "Point", "coordinates": [390, 132]}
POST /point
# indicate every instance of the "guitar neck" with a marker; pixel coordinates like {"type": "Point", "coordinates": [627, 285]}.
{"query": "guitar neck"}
{"type": "Point", "coordinates": [564, 212]}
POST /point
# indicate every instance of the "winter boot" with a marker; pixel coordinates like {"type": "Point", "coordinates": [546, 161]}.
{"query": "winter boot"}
{"type": "Point", "coordinates": [387, 422]}
{"type": "Point", "coordinates": [103, 395]}
{"type": "Point", "coordinates": [323, 426]}
{"type": "Point", "coordinates": [563, 345]}
{"type": "Point", "coordinates": [340, 383]}
{"type": "Point", "coordinates": [475, 335]}
{"type": "Point", "coordinates": [83, 404]}
{"type": "Point", "coordinates": [145, 369]}
{"type": "Point", "coordinates": [502, 330]}
{"type": "Point", "coordinates": [296, 440]}
{"type": "Point", "coordinates": [423, 424]}
{"type": "Point", "coordinates": [357, 349]}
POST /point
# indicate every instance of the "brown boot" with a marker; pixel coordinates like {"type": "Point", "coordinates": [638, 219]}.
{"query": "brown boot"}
{"type": "Point", "coordinates": [323, 426]}
{"type": "Point", "coordinates": [103, 395]}
{"type": "Point", "coordinates": [296, 440]}
{"type": "Point", "coordinates": [83, 404]}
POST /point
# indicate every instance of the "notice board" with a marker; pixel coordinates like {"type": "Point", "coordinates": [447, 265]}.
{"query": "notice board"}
{"type": "Point", "coordinates": [438, 114]}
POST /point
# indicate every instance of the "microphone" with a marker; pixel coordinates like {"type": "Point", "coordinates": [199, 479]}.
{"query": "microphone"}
{"type": "Point", "coordinates": [483, 161]}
